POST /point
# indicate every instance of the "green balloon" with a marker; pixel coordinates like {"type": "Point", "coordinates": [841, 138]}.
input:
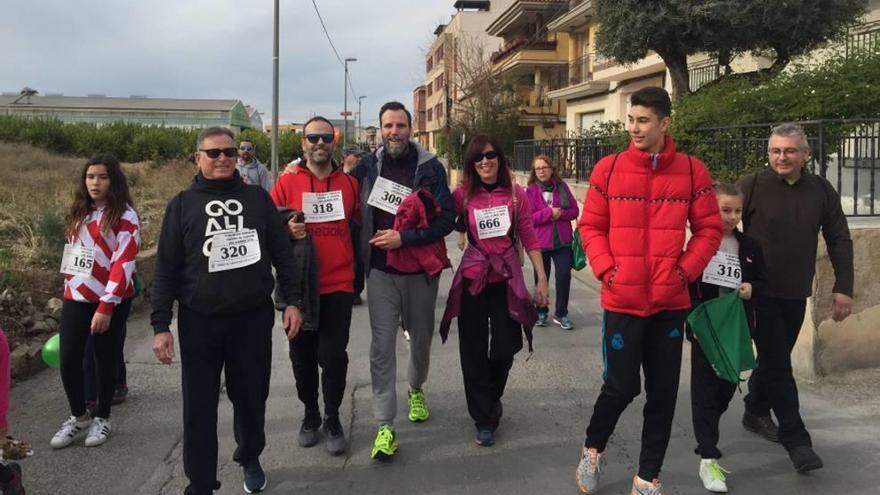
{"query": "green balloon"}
{"type": "Point", "coordinates": [52, 351]}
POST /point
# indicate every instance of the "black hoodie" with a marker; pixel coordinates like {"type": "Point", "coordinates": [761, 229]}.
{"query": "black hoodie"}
{"type": "Point", "coordinates": [192, 219]}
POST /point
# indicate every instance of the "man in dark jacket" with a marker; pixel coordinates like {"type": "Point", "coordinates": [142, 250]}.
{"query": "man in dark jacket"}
{"type": "Point", "coordinates": [386, 177]}
{"type": "Point", "coordinates": [219, 241]}
{"type": "Point", "coordinates": [785, 208]}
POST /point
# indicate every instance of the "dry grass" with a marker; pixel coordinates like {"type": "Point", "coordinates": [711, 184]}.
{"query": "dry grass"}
{"type": "Point", "coordinates": [35, 191]}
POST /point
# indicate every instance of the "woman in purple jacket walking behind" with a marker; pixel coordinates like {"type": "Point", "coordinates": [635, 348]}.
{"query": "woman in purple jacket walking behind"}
{"type": "Point", "coordinates": [553, 209]}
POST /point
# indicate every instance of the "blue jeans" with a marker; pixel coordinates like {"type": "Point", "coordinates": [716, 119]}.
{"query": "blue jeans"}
{"type": "Point", "coordinates": [89, 368]}
{"type": "Point", "coordinates": [562, 262]}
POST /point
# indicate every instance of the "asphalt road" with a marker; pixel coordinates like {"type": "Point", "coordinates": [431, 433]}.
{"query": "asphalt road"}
{"type": "Point", "coordinates": [549, 398]}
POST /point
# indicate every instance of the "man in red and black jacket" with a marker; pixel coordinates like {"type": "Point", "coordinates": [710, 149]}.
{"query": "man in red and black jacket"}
{"type": "Point", "coordinates": [328, 197]}
{"type": "Point", "coordinates": [633, 228]}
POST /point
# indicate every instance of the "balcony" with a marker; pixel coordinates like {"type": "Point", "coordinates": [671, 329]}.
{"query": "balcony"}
{"type": "Point", "coordinates": [863, 38]}
{"type": "Point", "coordinates": [703, 73]}
{"type": "Point", "coordinates": [577, 18]}
{"type": "Point", "coordinates": [522, 45]}
{"type": "Point", "coordinates": [580, 80]}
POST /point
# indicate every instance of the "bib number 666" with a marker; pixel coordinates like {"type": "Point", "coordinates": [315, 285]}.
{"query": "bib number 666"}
{"type": "Point", "coordinates": [490, 223]}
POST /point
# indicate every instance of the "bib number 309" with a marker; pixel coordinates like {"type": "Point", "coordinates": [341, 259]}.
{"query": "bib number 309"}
{"type": "Point", "coordinates": [387, 195]}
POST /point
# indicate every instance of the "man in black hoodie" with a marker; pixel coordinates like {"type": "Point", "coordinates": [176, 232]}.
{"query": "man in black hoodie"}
{"type": "Point", "coordinates": [219, 241]}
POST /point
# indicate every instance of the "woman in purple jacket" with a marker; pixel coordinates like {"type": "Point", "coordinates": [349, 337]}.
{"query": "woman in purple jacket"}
{"type": "Point", "coordinates": [553, 209]}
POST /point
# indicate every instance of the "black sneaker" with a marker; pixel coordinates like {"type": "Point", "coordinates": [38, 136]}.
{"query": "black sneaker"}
{"type": "Point", "coordinates": [254, 478]}
{"type": "Point", "coordinates": [485, 437]}
{"type": "Point", "coordinates": [804, 459]}
{"type": "Point", "coordinates": [762, 425]}
{"type": "Point", "coordinates": [357, 301]}
{"type": "Point", "coordinates": [13, 486]}
{"type": "Point", "coordinates": [119, 395]}
{"type": "Point", "coordinates": [336, 442]}
{"type": "Point", "coordinates": [309, 432]}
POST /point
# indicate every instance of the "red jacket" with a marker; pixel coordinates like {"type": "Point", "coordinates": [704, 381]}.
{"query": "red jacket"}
{"type": "Point", "coordinates": [633, 228]}
{"type": "Point", "coordinates": [332, 239]}
{"type": "Point", "coordinates": [414, 214]}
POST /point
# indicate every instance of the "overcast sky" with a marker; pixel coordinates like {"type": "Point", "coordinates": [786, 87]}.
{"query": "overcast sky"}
{"type": "Point", "coordinates": [220, 49]}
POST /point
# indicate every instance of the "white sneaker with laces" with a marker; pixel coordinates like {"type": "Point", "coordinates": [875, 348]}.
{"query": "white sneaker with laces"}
{"type": "Point", "coordinates": [68, 431]}
{"type": "Point", "coordinates": [98, 432]}
{"type": "Point", "coordinates": [712, 475]}
{"type": "Point", "coordinates": [589, 470]}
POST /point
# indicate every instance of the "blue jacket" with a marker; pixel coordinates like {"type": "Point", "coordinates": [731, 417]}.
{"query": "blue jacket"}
{"type": "Point", "coordinates": [430, 175]}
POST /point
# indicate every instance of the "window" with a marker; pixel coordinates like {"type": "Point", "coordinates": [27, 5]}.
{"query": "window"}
{"type": "Point", "coordinates": [587, 120]}
{"type": "Point", "coordinates": [430, 115]}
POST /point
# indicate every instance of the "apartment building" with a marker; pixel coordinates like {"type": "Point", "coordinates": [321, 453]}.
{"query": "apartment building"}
{"type": "Point", "coordinates": [536, 59]}
{"type": "Point", "coordinates": [434, 100]}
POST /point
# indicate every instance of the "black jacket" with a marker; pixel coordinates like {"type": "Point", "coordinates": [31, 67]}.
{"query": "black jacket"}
{"type": "Point", "coordinates": [192, 219]}
{"type": "Point", "coordinates": [754, 271]}
{"type": "Point", "coordinates": [786, 220]}
{"type": "Point", "coordinates": [306, 260]}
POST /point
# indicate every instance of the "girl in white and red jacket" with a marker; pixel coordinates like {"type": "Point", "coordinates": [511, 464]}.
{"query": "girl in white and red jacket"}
{"type": "Point", "coordinates": [99, 264]}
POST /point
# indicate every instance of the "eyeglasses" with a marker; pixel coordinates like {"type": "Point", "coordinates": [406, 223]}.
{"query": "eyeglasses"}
{"type": "Point", "coordinates": [313, 138]}
{"type": "Point", "coordinates": [246, 147]}
{"type": "Point", "coordinates": [489, 155]}
{"type": "Point", "coordinates": [215, 152]}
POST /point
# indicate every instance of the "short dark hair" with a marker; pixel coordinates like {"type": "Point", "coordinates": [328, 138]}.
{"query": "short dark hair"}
{"type": "Point", "coordinates": [728, 189]}
{"type": "Point", "coordinates": [657, 99]}
{"type": "Point", "coordinates": [213, 131]}
{"type": "Point", "coordinates": [396, 106]}
{"type": "Point", "coordinates": [318, 118]}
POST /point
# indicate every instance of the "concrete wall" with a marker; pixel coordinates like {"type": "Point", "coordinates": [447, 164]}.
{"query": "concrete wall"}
{"type": "Point", "coordinates": [825, 346]}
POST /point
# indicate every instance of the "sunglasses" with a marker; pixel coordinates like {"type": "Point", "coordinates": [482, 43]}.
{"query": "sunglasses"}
{"type": "Point", "coordinates": [489, 155]}
{"type": "Point", "coordinates": [313, 138]}
{"type": "Point", "coordinates": [246, 148]}
{"type": "Point", "coordinates": [215, 152]}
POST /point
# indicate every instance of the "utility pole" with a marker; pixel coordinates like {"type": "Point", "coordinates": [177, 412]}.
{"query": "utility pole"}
{"type": "Point", "coordinates": [345, 104]}
{"type": "Point", "coordinates": [274, 157]}
{"type": "Point", "coordinates": [360, 113]}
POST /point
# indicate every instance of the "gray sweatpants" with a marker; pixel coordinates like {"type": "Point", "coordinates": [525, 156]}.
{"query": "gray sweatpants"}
{"type": "Point", "coordinates": [392, 299]}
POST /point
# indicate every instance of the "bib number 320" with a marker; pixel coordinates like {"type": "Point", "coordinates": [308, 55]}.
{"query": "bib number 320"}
{"type": "Point", "coordinates": [233, 250]}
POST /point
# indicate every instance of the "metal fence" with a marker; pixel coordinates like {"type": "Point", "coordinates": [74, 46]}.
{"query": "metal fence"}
{"type": "Point", "coordinates": [846, 152]}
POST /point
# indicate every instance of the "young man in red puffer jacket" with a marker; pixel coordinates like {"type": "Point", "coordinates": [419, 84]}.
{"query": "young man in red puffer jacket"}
{"type": "Point", "coordinates": [633, 228]}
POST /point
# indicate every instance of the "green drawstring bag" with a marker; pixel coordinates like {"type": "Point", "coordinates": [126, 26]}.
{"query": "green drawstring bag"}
{"type": "Point", "coordinates": [578, 256]}
{"type": "Point", "coordinates": [722, 330]}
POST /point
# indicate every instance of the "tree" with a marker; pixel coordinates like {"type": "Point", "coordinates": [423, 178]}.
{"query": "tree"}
{"type": "Point", "coordinates": [482, 101]}
{"type": "Point", "coordinates": [675, 29]}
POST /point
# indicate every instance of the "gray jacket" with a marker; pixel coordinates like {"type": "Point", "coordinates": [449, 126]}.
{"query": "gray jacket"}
{"type": "Point", "coordinates": [255, 173]}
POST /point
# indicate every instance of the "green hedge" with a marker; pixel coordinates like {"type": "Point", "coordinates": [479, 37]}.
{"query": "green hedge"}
{"type": "Point", "coordinates": [127, 141]}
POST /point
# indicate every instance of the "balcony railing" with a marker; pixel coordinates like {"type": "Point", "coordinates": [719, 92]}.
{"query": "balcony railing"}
{"type": "Point", "coordinates": [580, 71]}
{"type": "Point", "coordinates": [521, 44]}
{"type": "Point", "coordinates": [864, 38]}
{"type": "Point", "coordinates": [704, 73]}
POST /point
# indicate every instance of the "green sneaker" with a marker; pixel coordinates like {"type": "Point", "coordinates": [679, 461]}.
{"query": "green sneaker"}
{"type": "Point", "coordinates": [385, 444]}
{"type": "Point", "coordinates": [418, 410]}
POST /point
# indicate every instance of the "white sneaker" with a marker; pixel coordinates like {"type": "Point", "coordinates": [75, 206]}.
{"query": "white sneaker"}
{"type": "Point", "coordinates": [69, 430]}
{"type": "Point", "coordinates": [98, 432]}
{"type": "Point", "coordinates": [712, 475]}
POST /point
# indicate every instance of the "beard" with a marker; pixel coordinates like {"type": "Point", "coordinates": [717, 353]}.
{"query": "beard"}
{"type": "Point", "coordinates": [316, 157]}
{"type": "Point", "coordinates": [395, 149]}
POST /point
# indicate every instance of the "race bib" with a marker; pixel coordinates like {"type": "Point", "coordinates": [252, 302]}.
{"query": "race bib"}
{"type": "Point", "coordinates": [77, 260]}
{"type": "Point", "coordinates": [387, 195]}
{"type": "Point", "coordinates": [723, 270]}
{"type": "Point", "coordinates": [492, 222]}
{"type": "Point", "coordinates": [233, 250]}
{"type": "Point", "coordinates": [323, 206]}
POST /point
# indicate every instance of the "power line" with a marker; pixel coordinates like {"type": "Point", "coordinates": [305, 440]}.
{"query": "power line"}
{"type": "Point", "coordinates": [335, 52]}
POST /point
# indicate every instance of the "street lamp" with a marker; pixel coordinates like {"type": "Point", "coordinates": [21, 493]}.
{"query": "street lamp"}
{"type": "Point", "coordinates": [360, 114]}
{"type": "Point", "coordinates": [274, 156]}
{"type": "Point", "coordinates": [345, 105]}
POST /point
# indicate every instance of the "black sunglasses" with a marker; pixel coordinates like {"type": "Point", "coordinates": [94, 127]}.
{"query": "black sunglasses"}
{"type": "Point", "coordinates": [313, 138]}
{"type": "Point", "coordinates": [215, 152]}
{"type": "Point", "coordinates": [489, 155]}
